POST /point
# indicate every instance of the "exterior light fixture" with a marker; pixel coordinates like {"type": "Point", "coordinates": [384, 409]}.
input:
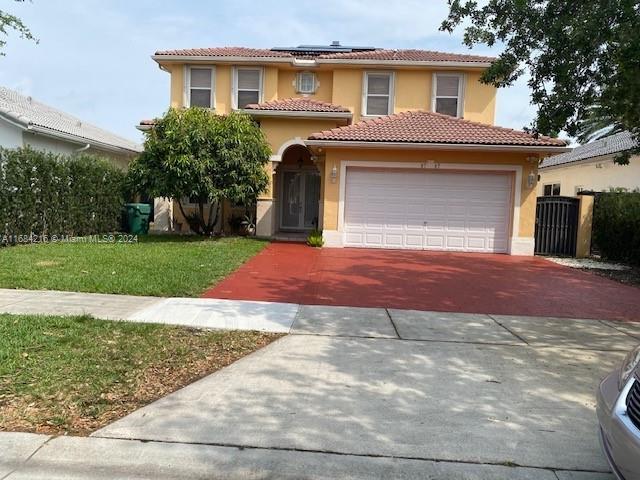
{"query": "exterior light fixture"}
{"type": "Point", "coordinates": [334, 174]}
{"type": "Point", "coordinates": [531, 179]}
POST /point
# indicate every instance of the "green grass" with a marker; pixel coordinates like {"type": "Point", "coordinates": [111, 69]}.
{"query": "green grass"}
{"type": "Point", "coordinates": [156, 265]}
{"type": "Point", "coordinates": [76, 374]}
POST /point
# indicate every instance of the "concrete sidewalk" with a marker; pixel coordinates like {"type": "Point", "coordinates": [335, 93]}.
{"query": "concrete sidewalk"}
{"type": "Point", "coordinates": [190, 312]}
{"type": "Point", "coordinates": [359, 393]}
{"type": "Point", "coordinates": [74, 458]}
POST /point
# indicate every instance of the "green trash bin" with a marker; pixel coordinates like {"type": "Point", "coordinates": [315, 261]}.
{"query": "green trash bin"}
{"type": "Point", "coordinates": [138, 218]}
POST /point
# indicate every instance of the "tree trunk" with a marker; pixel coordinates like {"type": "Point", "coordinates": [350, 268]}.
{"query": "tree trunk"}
{"type": "Point", "coordinates": [194, 224]}
{"type": "Point", "coordinates": [213, 219]}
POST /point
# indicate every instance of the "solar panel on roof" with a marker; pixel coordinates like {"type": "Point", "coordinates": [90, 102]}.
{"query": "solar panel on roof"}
{"type": "Point", "coordinates": [335, 47]}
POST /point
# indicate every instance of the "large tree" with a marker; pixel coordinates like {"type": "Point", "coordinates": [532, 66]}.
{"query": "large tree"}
{"type": "Point", "coordinates": [11, 22]}
{"type": "Point", "coordinates": [583, 58]}
{"type": "Point", "coordinates": [195, 153]}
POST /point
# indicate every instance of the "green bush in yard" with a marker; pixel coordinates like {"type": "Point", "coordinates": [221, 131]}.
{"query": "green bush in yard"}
{"type": "Point", "coordinates": [616, 226]}
{"type": "Point", "coordinates": [46, 194]}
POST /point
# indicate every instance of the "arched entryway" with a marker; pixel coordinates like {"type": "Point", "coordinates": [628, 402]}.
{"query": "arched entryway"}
{"type": "Point", "coordinates": [298, 187]}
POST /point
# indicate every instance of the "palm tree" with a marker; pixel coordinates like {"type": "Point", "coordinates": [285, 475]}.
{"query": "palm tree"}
{"type": "Point", "coordinates": [597, 124]}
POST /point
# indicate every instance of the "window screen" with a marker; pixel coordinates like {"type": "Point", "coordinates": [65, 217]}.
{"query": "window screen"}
{"type": "Point", "coordinates": [378, 93]}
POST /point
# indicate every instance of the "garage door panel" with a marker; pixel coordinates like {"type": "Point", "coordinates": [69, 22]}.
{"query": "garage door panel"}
{"type": "Point", "coordinates": [477, 243]}
{"type": "Point", "coordinates": [373, 239]}
{"type": "Point", "coordinates": [427, 210]}
{"type": "Point", "coordinates": [455, 242]}
{"type": "Point", "coordinates": [414, 241]}
{"type": "Point", "coordinates": [434, 242]}
{"type": "Point", "coordinates": [394, 240]}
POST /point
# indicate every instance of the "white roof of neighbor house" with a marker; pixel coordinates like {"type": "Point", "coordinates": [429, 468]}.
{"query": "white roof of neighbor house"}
{"type": "Point", "coordinates": [33, 115]}
{"type": "Point", "coordinates": [616, 143]}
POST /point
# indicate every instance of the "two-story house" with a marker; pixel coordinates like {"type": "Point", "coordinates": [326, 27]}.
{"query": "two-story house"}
{"type": "Point", "coordinates": [376, 148]}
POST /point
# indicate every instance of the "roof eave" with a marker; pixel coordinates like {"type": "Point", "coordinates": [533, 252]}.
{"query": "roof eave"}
{"type": "Point", "coordinates": [14, 120]}
{"type": "Point", "coordinates": [315, 62]}
{"type": "Point", "coordinates": [219, 59]}
{"type": "Point", "coordinates": [409, 63]}
{"type": "Point", "coordinates": [52, 133]}
{"type": "Point", "coordinates": [296, 114]}
{"type": "Point", "coordinates": [584, 161]}
{"type": "Point", "coordinates": [436, 146]}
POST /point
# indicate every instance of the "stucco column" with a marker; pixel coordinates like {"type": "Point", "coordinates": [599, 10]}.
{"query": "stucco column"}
{"type": "Point", "coordinates": [523, 241]}
{"type": "Point", "coordinates": [265, 215]}
{"type": "Point", "coordinates": [330, 201]}
{"type": "Point", "coordinates": [585, 224]}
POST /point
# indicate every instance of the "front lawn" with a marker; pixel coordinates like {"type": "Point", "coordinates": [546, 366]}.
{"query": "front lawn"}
{"type": "Point", "coordinates": [76, 374]}
{"type": "Point", "coordinates": [171, 266]}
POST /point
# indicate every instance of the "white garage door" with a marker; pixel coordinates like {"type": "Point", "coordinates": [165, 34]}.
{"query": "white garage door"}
{"type": "Point", "coordinates": [466, 212]}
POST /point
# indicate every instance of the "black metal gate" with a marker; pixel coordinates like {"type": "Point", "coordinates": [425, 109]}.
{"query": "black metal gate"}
{"type": "Point", "coordinates": [557, 226]}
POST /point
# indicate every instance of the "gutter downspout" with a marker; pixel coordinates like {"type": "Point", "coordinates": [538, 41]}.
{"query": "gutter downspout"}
{"type": "Point", "coordinates": [83, 149]}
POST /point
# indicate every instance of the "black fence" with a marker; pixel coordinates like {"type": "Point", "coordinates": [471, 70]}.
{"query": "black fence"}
{"type": "Point", "coordinates": [557, 226]}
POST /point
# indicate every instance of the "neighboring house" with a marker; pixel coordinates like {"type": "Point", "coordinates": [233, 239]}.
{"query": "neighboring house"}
{"type": "Point", "coordinates": [376, 148]}
{"type": "Point", "coordinates": [591, 167]}
{"type": "Point", "coordinates": [27, 122]}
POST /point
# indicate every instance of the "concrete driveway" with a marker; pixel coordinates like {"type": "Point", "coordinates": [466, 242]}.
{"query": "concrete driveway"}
{"type": "Point", "coordinates": [375, 393]}
{"type": "Point", "coordinates": [423, 280]}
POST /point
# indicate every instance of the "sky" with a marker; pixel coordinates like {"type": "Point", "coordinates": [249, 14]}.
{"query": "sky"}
{"type": "Point", "coordinates": [93, 56]}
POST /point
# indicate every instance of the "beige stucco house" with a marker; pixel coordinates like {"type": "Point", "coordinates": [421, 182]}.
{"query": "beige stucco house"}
{"type": "Point", "coordinates": [591, 167]}
{"type": "Point", "coordinates": [377, 148]}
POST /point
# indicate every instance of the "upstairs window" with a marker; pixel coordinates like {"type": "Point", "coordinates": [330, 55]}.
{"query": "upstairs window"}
{"type": "Point", "coordinates": [378, 93]}
{"type": "Point", "coordinates": [447, 94]}
{"type": "Point", "coordinates": [200, 87]}
{"type": "Point", "coordinates": [306, 82]}
{"type": "Point", "coordinates": [552, 189]}
{"type": "Point", "coordinates": [248, 86]}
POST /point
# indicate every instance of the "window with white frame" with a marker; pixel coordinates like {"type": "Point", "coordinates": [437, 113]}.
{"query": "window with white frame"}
{"type": "Point", "coordinates": [551, 189]}
{"type": "Point", "coordinates": [306, 82]}
{"type": "Point", "coordinates": [447, 94]}
{"type": "Point", "coordinates": [378, 93]}
{"type": "Point", "coordinates": [200, 87]}
{"type": "Point", "coordinates": [248, 86]}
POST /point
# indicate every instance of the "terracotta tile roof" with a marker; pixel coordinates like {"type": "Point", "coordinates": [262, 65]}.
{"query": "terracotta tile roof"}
{"type": "Point", "coordinates": [148, 122]}
{"type": "Point", "coordinates": [376, 54]}
{"type": "Point", "coordinates": [298, 105]}
{"type": "Point", "coordinates": [407, 56]}
{"type": "Point", "coordinates": [226, 52]}
{"type": "Point", "coordinates": [428, 127]}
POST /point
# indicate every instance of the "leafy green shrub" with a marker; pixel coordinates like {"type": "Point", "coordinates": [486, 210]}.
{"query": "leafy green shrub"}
{"type": "Point", "coordinates": [195, 153]}
{"type": "Point", "coordinates": [46, 194]}
{"type": "Point", "coordinates": [616, 226]}
{"type": "Point", "coordinates": [315, 239]}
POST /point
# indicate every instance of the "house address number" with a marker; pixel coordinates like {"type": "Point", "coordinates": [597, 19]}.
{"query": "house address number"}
{"type": "Point", "coordinates": [430, 164]}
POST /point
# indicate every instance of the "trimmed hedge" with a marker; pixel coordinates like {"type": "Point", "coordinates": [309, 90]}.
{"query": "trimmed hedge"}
{"type": "Point", "coordinates": [616, 226]}
{"type": "Point", "coordinates": [46, 194]}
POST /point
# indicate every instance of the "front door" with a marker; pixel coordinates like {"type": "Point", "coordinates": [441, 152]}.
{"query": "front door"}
{"type": "Point", "coordinates": [300, 197]}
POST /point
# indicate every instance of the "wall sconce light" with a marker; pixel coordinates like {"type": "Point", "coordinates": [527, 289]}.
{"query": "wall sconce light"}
{"type": "Point", "coordinates": [334, 174]}
{"type": "Point", "coordinates": [531, 179]}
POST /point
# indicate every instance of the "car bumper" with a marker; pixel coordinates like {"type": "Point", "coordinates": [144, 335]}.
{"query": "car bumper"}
{"type": "Point", "coordinates": [620, 439]}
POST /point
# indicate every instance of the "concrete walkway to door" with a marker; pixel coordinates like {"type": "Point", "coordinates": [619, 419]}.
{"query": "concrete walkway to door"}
{"type": "Point", "coordinates": [434, 281]}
